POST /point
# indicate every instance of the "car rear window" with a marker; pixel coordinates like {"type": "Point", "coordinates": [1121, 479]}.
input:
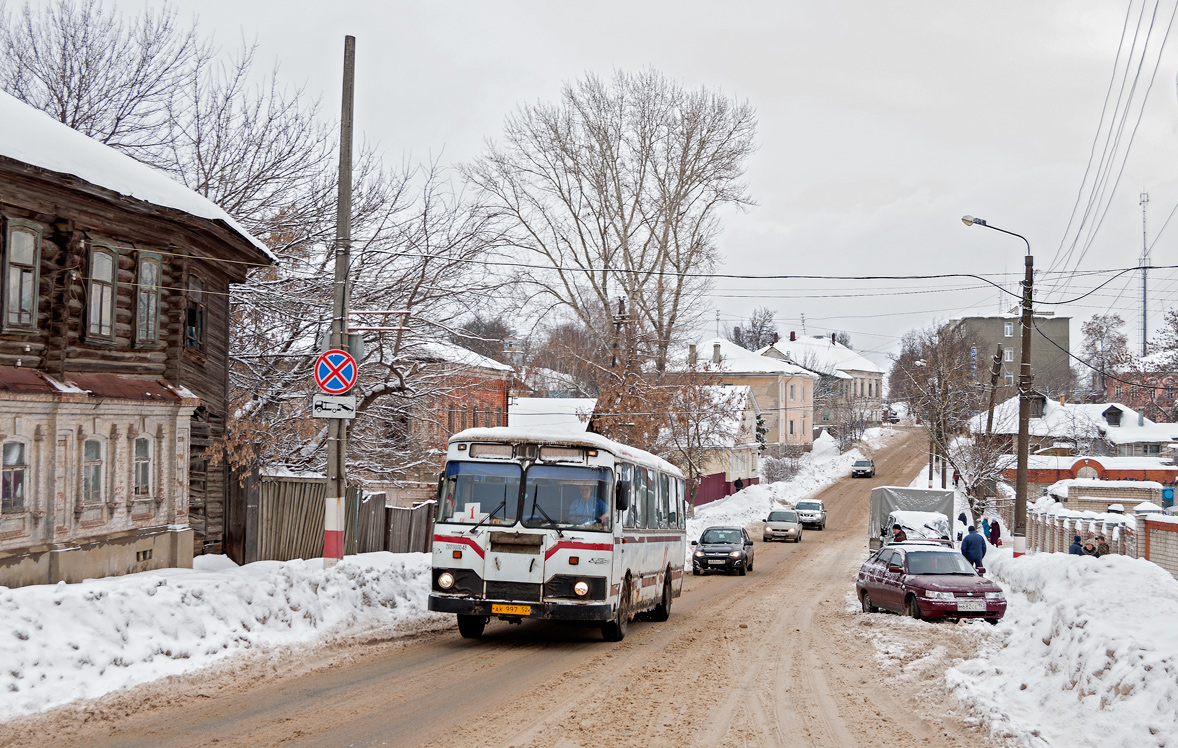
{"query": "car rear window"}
{"type": "Point", "coordinates": [783, 517]}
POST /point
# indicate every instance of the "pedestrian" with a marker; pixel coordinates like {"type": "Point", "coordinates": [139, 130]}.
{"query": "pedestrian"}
{"type": "Point", "coordinates": [986, 526]}
{"type": "Point", "coordinates": [956, 476]}
{"type": "Point", "coordinates": [739, 484]}
{"type": "Point", "coordinates": [898, 534]}
{"type": "Point", "coordinates": [1102, 548]}
{"type": "Point", "coordinates": [961, 518]}
{"type": "Point", "coordinates": [995, 533]}
{"type": "Point", "coordinates": [1076, 549]}
{"type": "Point", "coordinates": [1088, 549]}
{"type": "Point", "coordinates": [974, 548]}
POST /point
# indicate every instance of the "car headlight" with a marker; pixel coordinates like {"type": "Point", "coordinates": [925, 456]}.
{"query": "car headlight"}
{"type": "Point", "coordinates": [995, 596]}
{"type": "Point", "coordinates": [736, 554]}
{"type": "Point", "coordinates": [935, 595]}
{"type": "Point", "coordinates": [699, 554]}
{"type": "Point", "coordinates": [445, 580]}
{"type": "Point", "coordinates": [581, 588]}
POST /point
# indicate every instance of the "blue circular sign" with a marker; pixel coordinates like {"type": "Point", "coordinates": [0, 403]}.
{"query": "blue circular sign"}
{"type": "Point", "coordinates": [335, 372]}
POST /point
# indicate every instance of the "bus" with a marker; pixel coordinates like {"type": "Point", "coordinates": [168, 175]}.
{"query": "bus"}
{"type": "Point", "coordinates": [558, 527]}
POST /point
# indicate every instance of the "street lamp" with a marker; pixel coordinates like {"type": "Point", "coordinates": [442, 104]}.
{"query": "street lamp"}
{"type": "Point", "coordinates": [1024, 395]}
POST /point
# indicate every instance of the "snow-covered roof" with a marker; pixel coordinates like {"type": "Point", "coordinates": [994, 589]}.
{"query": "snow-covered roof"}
{"type": "Point", "coordinates": [33, 137]}
{"type": "Point", "coordinates": [551, 414]}
{"type": "Point", "coordinates": [1131, 433]}
{"type": "Point", "coordinates": [1051, 462]}
{"type": "Point", "coordinates": [439, 350]}
{"type": "Point", "coordinates": [1060, 488]}
{"type": "Point", "coordinates": [1071, 420]}
{"type": "Point", "coordinates": [737, 360]}
{"type": "Point", "coordinates": [820, 353]}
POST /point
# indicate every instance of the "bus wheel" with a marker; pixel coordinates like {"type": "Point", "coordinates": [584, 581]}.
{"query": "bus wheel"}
{"type": "Point", "coordinates": [662, 611]}
{"type": "Point", "coordinates": [471, 627]}
{"type": "Point", "coordinates": [615, 630]}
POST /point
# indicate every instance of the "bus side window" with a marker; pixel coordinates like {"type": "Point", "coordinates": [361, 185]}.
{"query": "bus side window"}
{"type": "Point", "coordinates": [682, 504]}
{"type": "Point", "coordinates": [652, 487]}
{"type": "Point", "coordinates": [626, 471]}
{"type": "Point", "coordinates": [640, 479]}
{"type": "Point", "coordinates": [664, 500]}
{"type": "Point", "coordinates": [673, 520]}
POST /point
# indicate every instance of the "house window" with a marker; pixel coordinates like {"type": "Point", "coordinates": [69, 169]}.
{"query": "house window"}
{"type": "Point", "coordinates": [1008, 329]}
{"type": "Point", "coordinates": [1153, 450]}
{"type": "Point", "coordinates": [487, 416]}
{"type": "Point", "coordinates": [147, 300]}
{"type": "Point", "coordinates": [869, 389]}
{"type": "Point", "coordinates": [21, 269]}
{"type": "Point", "coordinates": [791, 392]}
{"type": "Point", "coordinates": [1009, 379]}
{"type": "Point", "coordinates": [102, 293]}
{"type": "Point", "coordinates": [142, 488]}
{"type": "Point", "coordinates": [450, 420]}
{"type": "Point", "coordinates": [1008, 354]}
{"type": "Point", "coordinates": [194, 322]}
{"type": "Point", "coordinates": [499, 417]}
{"type": "Point", "coordinates": [92, 471]}
{"type": "Point", "coordinates": [12, 496]}
{"type": "Point", "coordinates": [826, 415]}
{"type": "Point", "coordinates": [791, 427]}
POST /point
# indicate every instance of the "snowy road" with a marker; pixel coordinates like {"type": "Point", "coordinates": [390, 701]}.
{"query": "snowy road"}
{"type": "Point", "coordinates": [766, 660]}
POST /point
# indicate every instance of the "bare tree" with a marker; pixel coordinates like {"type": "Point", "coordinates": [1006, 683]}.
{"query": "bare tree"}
{"type": "Point", "coordinates": [756, 332]}
{"type": "Point", "coordinates": [1105, 346]}
{"type": "Point", "coordinates": [107, 77]}
{"type": "Point", "coordinates": [615, 192]}
{"type": "Point", "coordinates": [484, 336]}
{"type": "Point", "coordinates": [843, 338]}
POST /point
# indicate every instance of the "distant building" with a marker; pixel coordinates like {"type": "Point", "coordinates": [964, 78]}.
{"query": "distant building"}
{"type": "Point", "coordinates": [1050, 343]}
{"type": "Point", "coordinates": [850, 386]}
{"type": "Point", "coordinates": [733, 451]}
{"type": "Point", "coordinates": [561, 415]}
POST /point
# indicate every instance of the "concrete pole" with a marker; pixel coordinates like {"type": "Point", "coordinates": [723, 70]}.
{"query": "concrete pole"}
{"type": "Point", "coordinates": [1024, 416]}
{"type": "Point", "coordinates": [337, 428]}
{"type": "Point", "coordinates": [995, 372]}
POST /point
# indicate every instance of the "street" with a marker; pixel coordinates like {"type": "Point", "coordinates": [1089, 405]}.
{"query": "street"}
{"type": "Point", "coordinates": [765, 660]}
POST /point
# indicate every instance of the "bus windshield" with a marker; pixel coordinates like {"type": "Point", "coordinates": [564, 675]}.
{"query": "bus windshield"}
{"type": "Point", "coordinates": [477, 491]}
{"type": "Point", "coordinates": [558, 496]}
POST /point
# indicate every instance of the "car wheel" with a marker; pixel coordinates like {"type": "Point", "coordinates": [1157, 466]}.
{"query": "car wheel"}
{"type": "Point", "coordinates": [750, 565]}
{"type": "Point", "coordinates": [913, 607]}
{"type": "Point", "coordinates": [822, 526]}
{"type": "Point", "coordinates": [471, 627]}
{"type": "Point", "coordinates": [865, 601]}
{"type": "Point", "coordinates": [765, 540]}
{"type": "Point", "coordinates": [695, 571]}
{"type": "Point", "coordinates": [741, 570]}
{"type": "Point", "coordinates": [662, 611]}
{"type": "Point", "coordinates": [614, 630]}
{"type": "Point", "coordinates": [992, 621]}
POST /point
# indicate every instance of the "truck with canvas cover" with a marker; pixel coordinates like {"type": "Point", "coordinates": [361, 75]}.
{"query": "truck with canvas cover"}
{"type": "Point", "coordinates": [885, 500]}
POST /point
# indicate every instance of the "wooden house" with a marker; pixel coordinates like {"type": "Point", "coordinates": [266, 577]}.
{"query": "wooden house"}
{"type": "Point", "coordinates": [114, 330]}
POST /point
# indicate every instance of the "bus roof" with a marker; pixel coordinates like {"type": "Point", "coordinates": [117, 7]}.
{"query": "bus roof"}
{"type": "Point", "coordinates": [508, 434]}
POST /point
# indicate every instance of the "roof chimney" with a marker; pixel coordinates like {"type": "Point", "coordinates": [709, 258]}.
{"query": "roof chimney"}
{"type": "Point", "coordinates": [715, 353]}
{"type": "Point", "coordinates": [792, 336]}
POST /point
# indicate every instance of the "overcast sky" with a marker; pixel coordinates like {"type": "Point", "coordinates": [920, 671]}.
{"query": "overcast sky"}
{"type": "Point", "coordinates": [880, 125]}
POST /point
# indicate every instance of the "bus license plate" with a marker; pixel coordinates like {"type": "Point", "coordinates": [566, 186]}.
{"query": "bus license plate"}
{"type": "Point", "coordinates": [511, 610]}
{"type": "Point", "coordinates": [971, 606]}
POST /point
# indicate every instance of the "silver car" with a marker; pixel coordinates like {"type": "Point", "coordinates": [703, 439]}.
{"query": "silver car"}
{"type": "Point", "coordinates": [812, 512]}
{"type": "Point", "coordinates": [783, 525]}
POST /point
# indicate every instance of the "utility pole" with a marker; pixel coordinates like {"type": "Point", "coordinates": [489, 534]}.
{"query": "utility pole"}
{"type": "Point", "coordinates": [1144, 277]}
{"type": "Point", "coordinates": [1024, 414]}
{"type": "Point", "coordinates": [995, 372]}
{"type": "Point", "coordinates": [337, 428]}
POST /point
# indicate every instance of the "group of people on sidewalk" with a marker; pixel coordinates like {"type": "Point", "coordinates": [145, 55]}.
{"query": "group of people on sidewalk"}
{"type": "Point", "coordinates": [973, 545]}
{"type": "Point", "coordinates": [1092, 547]}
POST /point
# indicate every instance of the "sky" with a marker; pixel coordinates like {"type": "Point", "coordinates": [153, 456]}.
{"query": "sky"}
{"type": "Point", "coordinates": [880, 125]}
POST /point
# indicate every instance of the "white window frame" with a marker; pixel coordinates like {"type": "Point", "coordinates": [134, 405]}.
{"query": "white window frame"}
{"type": "Point", "coordinates": [1008, 329]}
{"type": "Point", "coordinates": [102, 295]}
{"type": "Point", "coordinates": [1008, 354]}
{"type": "Point", "coordinates": [15, 226]}
{"type": "Point", "coordinates": [1009, 378]}
{"type": "Point", "coordinates": [87, 472]}
{"type": "Point", "coordinates": [147, 301]}
{"type": "Point", "coordinates": [136, 462]}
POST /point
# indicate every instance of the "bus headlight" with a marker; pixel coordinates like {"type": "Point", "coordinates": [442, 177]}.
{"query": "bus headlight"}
{"type": "Point", "coordinates": [445, 580]}
{"type": "Point", "coordinates": [581, 588]}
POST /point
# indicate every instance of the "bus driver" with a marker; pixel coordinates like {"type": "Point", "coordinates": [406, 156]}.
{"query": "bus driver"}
{"type": "Point", "coordinates": [589, 509]}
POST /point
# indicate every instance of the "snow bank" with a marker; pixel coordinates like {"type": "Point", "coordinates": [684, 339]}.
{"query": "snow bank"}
{"type": "Point", "coordinates": [1087, 654]}
{"type": "Point", "coordinates": [74, 641]}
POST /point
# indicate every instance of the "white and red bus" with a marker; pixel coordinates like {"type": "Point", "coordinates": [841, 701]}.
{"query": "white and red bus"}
{"type": "Point", "coordinates": [552, 526]}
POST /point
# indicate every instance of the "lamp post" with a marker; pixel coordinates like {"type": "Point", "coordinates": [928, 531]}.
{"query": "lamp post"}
{"type": "Point", "coordinates": [1024, 395]}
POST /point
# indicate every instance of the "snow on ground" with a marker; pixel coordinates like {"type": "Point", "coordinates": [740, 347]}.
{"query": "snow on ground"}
{"type": "Point", "coordinates": [819, 468]}
{"type": "Point", "coordinates": [1087, 654]}
{"type": "Point", "coordinates": [64, 642]}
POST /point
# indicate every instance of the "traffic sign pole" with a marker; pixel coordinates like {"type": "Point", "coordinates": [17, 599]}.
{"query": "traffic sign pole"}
{"type": "Point", "coordinates": [337, 428]}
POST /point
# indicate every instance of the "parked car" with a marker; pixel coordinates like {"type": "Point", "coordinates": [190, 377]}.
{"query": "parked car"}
{"type": "Point", "coordinates": [863, 469]}
{"type": "Point", "coordinates": [723, 549]}
{"type": "Point", "coordinates": [927, 580]}
{"type": "Point", "coordinates": [783, 525]}
{"type": "Point", "coordinates": [812, 512]}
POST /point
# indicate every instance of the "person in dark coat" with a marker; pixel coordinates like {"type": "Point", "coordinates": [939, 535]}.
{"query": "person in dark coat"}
{"type": "Point", "coordinates": [995, 533]}
{"type": "Point", "coordinates": [1076, 549]}
{"type": "Point", "coordinates": [739, 484]}
{"type": "Point", "coordinates": [961, 518]}
{"type": "Point", "coordinates": [898, 534]}
{"type": "Point", "coordinates": [973, 547]}
{"type": "Point", "coordinates": [1102, 548]}
{"type": "Point", "coordinates": [1089, 549]}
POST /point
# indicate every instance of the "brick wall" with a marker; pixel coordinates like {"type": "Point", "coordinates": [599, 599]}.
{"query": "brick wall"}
{"type": "Point", "coordinates": [1160, 536]}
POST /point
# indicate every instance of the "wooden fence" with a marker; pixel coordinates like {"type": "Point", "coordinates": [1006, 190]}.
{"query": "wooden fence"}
{"type": "Point", "coordinates": [280, 518]}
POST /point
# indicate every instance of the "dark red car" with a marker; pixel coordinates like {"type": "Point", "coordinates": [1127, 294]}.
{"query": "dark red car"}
{"type": "Point", "coordinates": [927, 581]}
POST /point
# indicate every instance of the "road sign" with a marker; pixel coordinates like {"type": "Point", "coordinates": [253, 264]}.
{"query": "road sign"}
{"type": "Point", "coordinates": [335, 372]}
{"type": "Point", "coordinates": [333, 406]}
